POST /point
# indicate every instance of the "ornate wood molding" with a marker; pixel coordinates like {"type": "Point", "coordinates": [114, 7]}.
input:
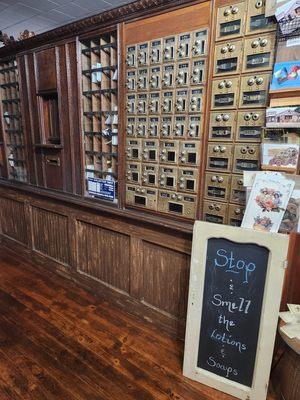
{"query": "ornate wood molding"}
{"type": "Point", "coordinates": [116, 15]}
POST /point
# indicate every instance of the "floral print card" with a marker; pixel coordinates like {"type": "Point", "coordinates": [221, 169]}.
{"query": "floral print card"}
{"type": "Point", "coordinates": [268, 201]}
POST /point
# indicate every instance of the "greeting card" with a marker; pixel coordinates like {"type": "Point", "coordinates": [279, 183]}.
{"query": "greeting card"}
{"type": "Point", "coordinates": [268, 201]}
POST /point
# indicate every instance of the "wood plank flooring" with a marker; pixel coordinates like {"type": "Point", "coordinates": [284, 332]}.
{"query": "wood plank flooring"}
{"type": "Point", "coordinates": [57, 341]}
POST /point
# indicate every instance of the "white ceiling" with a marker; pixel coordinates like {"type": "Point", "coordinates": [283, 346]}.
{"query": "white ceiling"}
{"type": "Point", "coordinates": [43, 15]}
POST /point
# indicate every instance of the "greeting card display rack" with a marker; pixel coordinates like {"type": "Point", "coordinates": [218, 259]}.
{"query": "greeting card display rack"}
{"type": "Point", "coordinates": [13, 137]}
{"type": "Point", "coordinates": [100, 106]}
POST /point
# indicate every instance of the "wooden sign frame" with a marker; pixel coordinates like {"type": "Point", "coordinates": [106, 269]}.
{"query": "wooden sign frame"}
{"type": "Point", "coordinates": [277, 244]}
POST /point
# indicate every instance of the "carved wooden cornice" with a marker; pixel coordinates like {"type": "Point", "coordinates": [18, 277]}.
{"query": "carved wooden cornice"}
{"type": "Point", "coordinates": [116, 15]}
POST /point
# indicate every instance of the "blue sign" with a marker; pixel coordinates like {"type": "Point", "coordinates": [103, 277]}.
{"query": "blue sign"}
{"type": "Point", "coordinates": [286, 75]}
{"type": "Point", "coordinates": [102, 188]}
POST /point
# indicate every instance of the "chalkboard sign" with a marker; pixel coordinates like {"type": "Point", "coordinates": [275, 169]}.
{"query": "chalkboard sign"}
{"type": "Point", "coordinates": [235, 275]}
{"type": "Point", "coordinates": [234, 297]}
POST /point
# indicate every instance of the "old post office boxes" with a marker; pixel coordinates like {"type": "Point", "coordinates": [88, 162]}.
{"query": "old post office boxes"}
{"type": "Point", "coordinates": [149, 175]}
{"type": "Point", "coordinates": [256, 19]}
{"type": "Point", "coordinates": [194, 129]}
{"type": "Point", "coordinates": [181, 100]}
{"type": "Point", "coordinates": [246, 157]}
{"type": "Point", "coordinates": [259, 53]}
{"type": "Point", "coordinates": [235, 215]}
{"type": "Point", "coordinates": [199, 47]}
{"type": "Point", "coordinates": [143, 54]}
{"type": "Point", "coordinates": [131, 80]}
{"type": "Point", "coordinates": [131, 103]}
{"type": "Point", "coordinates": [142, 127]}
{"type": "Point", "coordinates": [189, 153]}
{"type": "Point", "coordinates": [197, 72]}
{"type": "Point", "coordinates": [153, 126]}
{"type": "Point", "coordinates": [167, 102]}
{"type": "Point", "coordinates": [250, 125]}
{"type": "Point", "coordinates": [169, 49]}
{"type": "Point", "coordinates": [133, 173]}
{"type": "Point", "coordinates": [182, 74]}
{"type": "Point", "coordinates": [155, 78]}
{"type": "Point", "coordinates": [150, 150]}
{"type": "Point", "coordinates": [237, 190]}
{"type": "Point", "coordinates": [142, 103]}
{"type": "Point", "coordinates": [142, 79]}
{"type": "Point", "coordinates": [131, 57]}
{"type": "Point", "coordinates": [215, 212]}
{"type": "Point", "coordinates": [168, 76]}
{"type": "Point", "coordinates": [166, 127]}
{"type": "Point", "coordinates": [188, 180]}
{"type": "Point", "coordinates": [228, 57]}
{"type": "Point", "coordinates": [217, 186]}
{"type": "Point", "coordinates": [219, 157]}
{"type": "Point", "coordinates": [169, 150]}
{"type": "Point", "coordinates": [177, 204]}
{"type": "Point", "coordinates": [154, 103]}
{"type": "Point", "coordinates": [195, 100]}
{"type": "Point", "coordinates": [155, 51]}
{"type": "Point", "coordinates": [133, 149]}
{"type": "Point", "coordinates": [254, 90]}
{"type": "Point", "coordinates": [180, 126]}
{"type": "Point", "coordinates": [230, 21]}
{"type": "Point", "coordinates": [222, 125]}
{"type": "Point", "coordinates": [184, 42]}
{"type": "Point", "coordinates": [130, 126]}
{"type": "Point", "coordinates": [168, 178]}
{"type": "Point", "coordinates": [225, 93]}
{"type": "Point", "coordinates": [141, 197]}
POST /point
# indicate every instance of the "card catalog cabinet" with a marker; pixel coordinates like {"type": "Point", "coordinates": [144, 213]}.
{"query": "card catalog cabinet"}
{"type": "Point", "coordinates": [99, 63]}
{"type": "Point", "coordinates": [12, 136]}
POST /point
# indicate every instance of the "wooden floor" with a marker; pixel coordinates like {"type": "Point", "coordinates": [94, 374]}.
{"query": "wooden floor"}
{"type": "Point", "coordinates": [59, 342]}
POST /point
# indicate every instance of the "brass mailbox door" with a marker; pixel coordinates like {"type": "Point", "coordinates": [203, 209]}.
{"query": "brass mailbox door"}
{"type": "Point", "coordinates": [182, 74]}
{"type": "Point", "coordinates": [222, 126]}
{"type": "Point", "coordinates": [154, 104]}
{"type": "Point", "coordinates": [215, 212]}
{"type": "Point", "coordinates": [230, 21]}
{"type": "Point", "coordinates": [237, 190]}
{"type": "Point", "coordinates": [181, 101]}
{"type": "Point", "coordinates": [184, 43]}
{"type": "Point", "coordinates": [155, 56]}
{"type": "Point", "coordinates": [219, 157]}
{"type": "Point", "coordinates": [168, 76]}
{"type": "Point", "coordinates": [228, 57]}
{"type": "Point", "coordinates": [249, 125]}
{"type": "Point", "coordinates": [197, 73]}
{"type": "Point", "coordinates": [259, 53]}
{"type": "Point", "coordinates": [169, 150]}
{"type": "Point", "coordinates": [142, 54]}
{"type": "Point", "coordinates": [225, 93]}
{"type": "Point", "coordinates": [254, 90]}
{"type": "Point", "coordinates": [169, 49]}
{"type": "Point", "coordinates": [217, 186]}
{"type": "Point", "coordinates": [235, 215]}
{"type": "Point", "coordinates": [189, 153]}
{"type": "Point", "coordinates": [246, 157]}
{"type": "Point", "coordinates": [168, 178]}
{"type": "Point", "coordinates": [133, 173]}
{"type": "Point", "coordinates": [199, 43]}
{"type": "Point", "coordinates": [141, 197]}
{"type": "Point", "coordinates": [131, 57]}
{"type": "Point", "coordinates": [196, 100]}
{"type": "Point", "coordinates": [180, 126]}
{"type": "Point", "coordinates": [166, 129]}
{"type": "Point", "coordinates": [133, 149]}
{"type": "Point", "coordinates": [167, 102]}
{"type": "Point", "coordinates": [131, 80]}
{"type": "Point", "coordinates": [142, 127]}
{"type": "Point", "coordinates": [188, 180]}
{"type": "Point", "coordinates": [142, 79]}
{"type": "Point", "coordinates": [155, 78]}
{"type": "Point", "coordinates": [149, 175]}
{"type": "Point", "coordinates": [177, 204]}
{"type": "Point", "coordinates": [256, 21]}
{"type": "Point", "coordinates": [150, 150]}
{"type": "Point", "coordinates": [195, 128]}
{"type": "Point", "coordinates": [153, 126]}
{"type": "Point", "coordinates": [130, 126]}
{"type": "Point", "coordinates": [142, 103]}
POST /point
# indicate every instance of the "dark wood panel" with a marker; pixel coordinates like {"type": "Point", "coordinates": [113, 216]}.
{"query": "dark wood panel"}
{"type": "Point", "coordinates": [50, 234]}
{"type": "Point", "coordinates": [165, 277]}
{"type": "Point", "coordinates": [45, 69]}
{"type": "Point", "coordinates": [104, 254]}
{"type": "Point", "coordinates": [13, 219]}
{"type": "Point", "coordinates": [183, 19]}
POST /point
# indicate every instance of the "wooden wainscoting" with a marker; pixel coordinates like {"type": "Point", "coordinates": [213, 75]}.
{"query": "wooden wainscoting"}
{"type": "Point", "coordinates": [147, 263]}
